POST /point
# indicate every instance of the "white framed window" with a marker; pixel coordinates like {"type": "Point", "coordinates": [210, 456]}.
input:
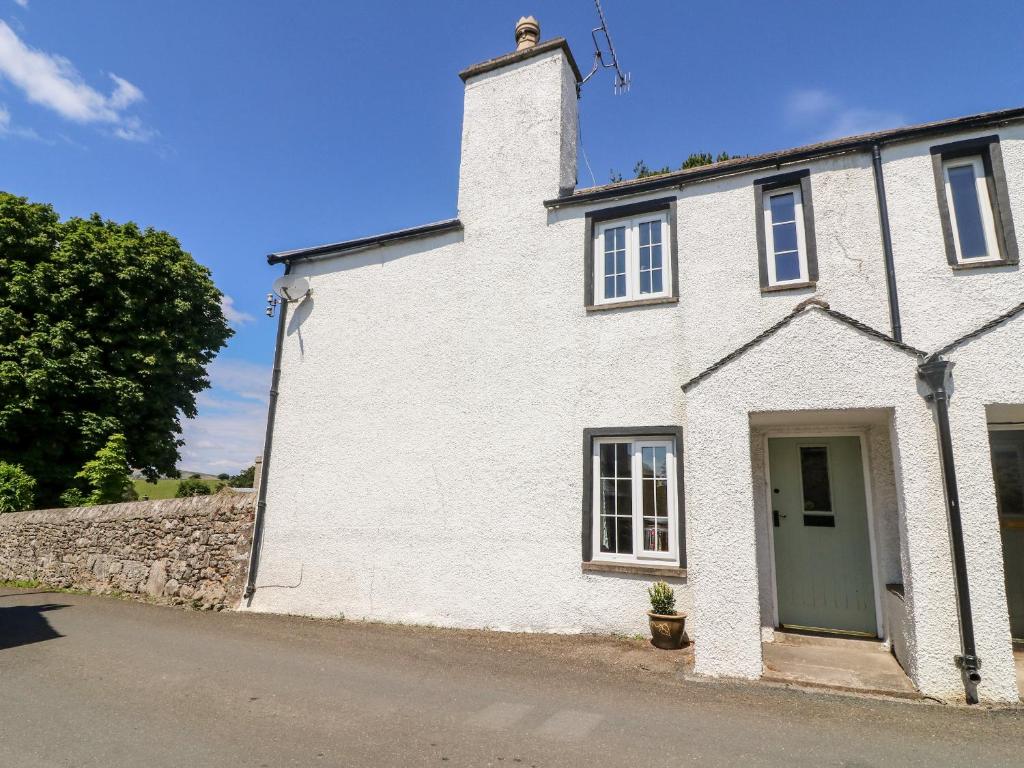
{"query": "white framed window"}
{"type": "Point", "coordinates": [635, 515]}
{"type": "Point", "coordinates": [631, 259]}
{"type": "Point", "coordinates": [970, 206]}
{"type": "Point", "coordinates": [785, 238]}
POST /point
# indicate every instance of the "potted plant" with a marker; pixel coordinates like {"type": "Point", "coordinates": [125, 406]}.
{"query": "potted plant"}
{"type": "Point", "coordinates": [666, 624]}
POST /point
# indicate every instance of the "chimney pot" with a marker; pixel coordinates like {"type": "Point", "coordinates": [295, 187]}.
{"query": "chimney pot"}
{"type": "Point", "coordinates": [527, 32]}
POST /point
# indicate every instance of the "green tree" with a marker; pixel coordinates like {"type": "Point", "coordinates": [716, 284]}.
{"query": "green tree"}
{"type": "Point", "coordinates": [244, 479]}
{"type": "Point", "coordinates": [224, 476]}
{"type": "Point", "coordinates": [17, 488]}
{"type": "Point", "coordinates": [105, 328]}
{"type": "Point", "coordinates": [108, 475]}
{"type": "Point", "coordinates": [192, 486]}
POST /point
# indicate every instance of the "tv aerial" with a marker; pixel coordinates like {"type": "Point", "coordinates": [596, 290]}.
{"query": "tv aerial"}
{"type": "Point", "coordinates": [287, 288]}
{"type": "Point", "coordinates": [604, 54]}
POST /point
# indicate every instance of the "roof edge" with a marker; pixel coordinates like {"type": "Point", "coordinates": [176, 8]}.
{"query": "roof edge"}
{"type": "Point", "coordinates": [517, 56]}
{"type": "Point", "coordinates": [859, 142]}
{"type": "Point", "coordinates": [979, 331]}
{"type": "Point", "coordinates": [799, 309]}
{"type": "Point", "coordinates": [345, 246]}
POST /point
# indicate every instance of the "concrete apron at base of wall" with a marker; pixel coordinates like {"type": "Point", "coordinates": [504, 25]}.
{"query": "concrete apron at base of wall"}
{"type": "Point", "coordinates": [185, 551]}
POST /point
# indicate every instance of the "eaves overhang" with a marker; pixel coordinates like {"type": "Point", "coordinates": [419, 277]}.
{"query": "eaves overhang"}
{"type": "Point", "coordinates": [860, 143]}
{"type": "Point", "coordinates": [348, 246]}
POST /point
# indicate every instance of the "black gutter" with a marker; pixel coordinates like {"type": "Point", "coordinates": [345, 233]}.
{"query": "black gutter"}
{"type": "Point", "coordinates": [936, 375]}
{"type": "Point", "coordinates": [261, 496]}
{"type": "Point", "coordinates": [861, 143]}
{"type": "Point", "coordinates": [337, 249]}
{"type": "Point", "coordinates": [890, 266]}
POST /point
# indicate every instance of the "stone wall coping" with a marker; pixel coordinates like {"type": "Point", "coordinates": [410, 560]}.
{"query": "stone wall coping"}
{"type": "Point", "coordinates": [154, 509]}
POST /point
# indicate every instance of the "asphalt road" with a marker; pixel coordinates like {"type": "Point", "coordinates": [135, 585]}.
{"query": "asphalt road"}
{"type": "Point", "coordinates": [90, 681]}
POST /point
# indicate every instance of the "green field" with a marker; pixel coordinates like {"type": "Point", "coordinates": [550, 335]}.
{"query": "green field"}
{"type": "Point", "coordinates": [166, 487]}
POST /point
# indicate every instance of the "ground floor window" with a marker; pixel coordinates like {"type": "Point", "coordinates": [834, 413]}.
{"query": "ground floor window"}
{"type": "Point", "coordinates": [634, 514]}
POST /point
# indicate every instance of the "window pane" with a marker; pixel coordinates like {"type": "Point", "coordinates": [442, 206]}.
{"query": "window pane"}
{"type": "Point", "coordinates": [814, 477]}
{"type": "Point", "coordinates": [655, 257]}
{"type": "Point", "coordinates": [622, 459]}
{"type": "Point", "coordinates": [661, 498]}
{"type": "Point", "coordinates": [645, 282]}
{"type": "Point", "coordinates": [620, 262]}
{"type": "Point", "coordinates": [656, 283]}
{"type": "Point", "coordinates": [645, 234]}
{"type": "Point", "coordinates": [620, 285]}
{"type": "Point", "coordinates": [655, 535]}
{"type": "Point", "coordinates": [609, 263]}
{"type": "Point", "coordinates": [609, 287]}
{"type": "Point", "coordinates": [660, 467]}
{"type": "Point", "coordinates": [783, 207]}
{"type": "Point", "coordinates": [967, 209]}
{"type": "Point", "coordinates": [607, 451]}
{"type": "Point", "coordinates": [645, 258]}
{"type": "Point", "coordinates": [607, 534]}
{"type": "Point", "coordinates": [655, 231]}
{"type": "Point", "coordinates": [625, 534]}
{"type": "Point", "coordinates": [784, 237]}
{"type": "Point", "coordinates": [625, 497]}
{"type": "Point", "coordinates": [787, 266]}
{"type": "Point", "coordinates": [649, 504]}
{"type": "Point", "coordinates": [647, 461]}
{"type": "Point", "coordinates": [607, 497]}
{"type": "Point", "coordinates": [1006, 465]}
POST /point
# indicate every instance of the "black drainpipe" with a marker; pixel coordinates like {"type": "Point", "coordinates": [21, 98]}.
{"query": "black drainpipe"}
{"type": "Point", "coordinates": [890, 267]}
{"type": "Point", "coordinates": [936, 375]}
{"type": "Point", "coordinates": [261, 496]}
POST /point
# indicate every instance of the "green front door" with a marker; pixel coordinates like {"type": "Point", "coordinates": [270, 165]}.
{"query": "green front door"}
{"type": "Point", "coordinates": [1008, 468]}
{"type": "Point", "coordinates": [822, 546]}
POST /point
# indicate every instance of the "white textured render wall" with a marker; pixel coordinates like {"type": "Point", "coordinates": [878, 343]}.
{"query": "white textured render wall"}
{"type": "Point", "coordinates": [815, 363]}
{"type": "Point", "coordinates": [718, 257]}
{"type": "Point", "coordinates": [939, 304]}
{"type": "Point", "coordinates": [427, 461]}
{"type": "Point", "coordinates": [988, 370]}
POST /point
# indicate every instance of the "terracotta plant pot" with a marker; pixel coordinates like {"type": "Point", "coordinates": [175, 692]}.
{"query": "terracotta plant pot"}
{"type": "Point", "coordinates": [667, 629]}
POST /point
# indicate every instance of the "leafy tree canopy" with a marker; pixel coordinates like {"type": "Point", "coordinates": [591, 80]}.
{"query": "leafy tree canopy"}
{"type": "Point", "coordinates": [105, 329]}
{"type": "Point", "coordinates": [17, 488]}
{"type": "Point", "coordinates": [244, 479]}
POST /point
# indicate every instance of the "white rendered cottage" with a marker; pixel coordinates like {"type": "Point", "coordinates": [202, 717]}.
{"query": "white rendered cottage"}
{"type": "Point", "coordinates": [792, 385]}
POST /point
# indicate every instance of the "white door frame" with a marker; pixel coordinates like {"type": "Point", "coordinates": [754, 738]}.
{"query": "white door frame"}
{"type": "Point", "coordinates": [862, 435]}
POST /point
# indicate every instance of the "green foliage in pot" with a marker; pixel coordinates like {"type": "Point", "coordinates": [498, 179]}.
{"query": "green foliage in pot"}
{"type": "Point", "coordinates": [17, 488]}
{"type": "Point", "coordinates": [663, 598]}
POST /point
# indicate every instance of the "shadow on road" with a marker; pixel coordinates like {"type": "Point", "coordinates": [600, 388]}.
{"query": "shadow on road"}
{"type": "Point", "coordinates": [24, 624]}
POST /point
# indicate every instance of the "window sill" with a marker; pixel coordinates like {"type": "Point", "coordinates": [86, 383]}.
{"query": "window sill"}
{"type": "Point", "coordinates": [654, 571]}
{"type": "Point", "coordinates": [987, 263]}
{"type": "Point", "coordinates": [635, 303]}
{"type": "Point", "coordinates": [788, 287]}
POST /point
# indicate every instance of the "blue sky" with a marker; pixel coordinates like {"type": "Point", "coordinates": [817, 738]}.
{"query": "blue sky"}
{"type": "Point", "coordinates": [248, 127]}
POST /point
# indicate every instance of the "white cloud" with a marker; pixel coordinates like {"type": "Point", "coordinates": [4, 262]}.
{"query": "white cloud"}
{"type": "Point", "coordinates": [53, 82]}
{"type": "Point", "coordinates": [22, 3]}
{"type": "Point", "coordinates": [825, 116]}
{"type": "Point", "coordinates": [228, 432]}
{"type": "Point", "coordinates": [234, 315]}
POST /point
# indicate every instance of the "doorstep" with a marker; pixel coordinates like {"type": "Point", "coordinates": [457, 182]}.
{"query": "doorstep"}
{"type": "Point", "coordinates": [837, 663]}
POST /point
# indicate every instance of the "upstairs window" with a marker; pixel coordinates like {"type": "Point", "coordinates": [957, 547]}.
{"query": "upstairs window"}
{"type": "Point", "coordinates": [630, 255]}
{"type": "Point", "coordinates": [784, 227]}
{"type": "Point", "coordinates": [632, 263]}
{"type": "Point", "coordinates": [786, 251]}
{"type": "Point", "coordinates": [973, 200]}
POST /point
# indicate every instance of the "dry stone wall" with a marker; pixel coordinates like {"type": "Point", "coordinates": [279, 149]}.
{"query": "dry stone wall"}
{"type": "Point", "coordinates": [175, 550]}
